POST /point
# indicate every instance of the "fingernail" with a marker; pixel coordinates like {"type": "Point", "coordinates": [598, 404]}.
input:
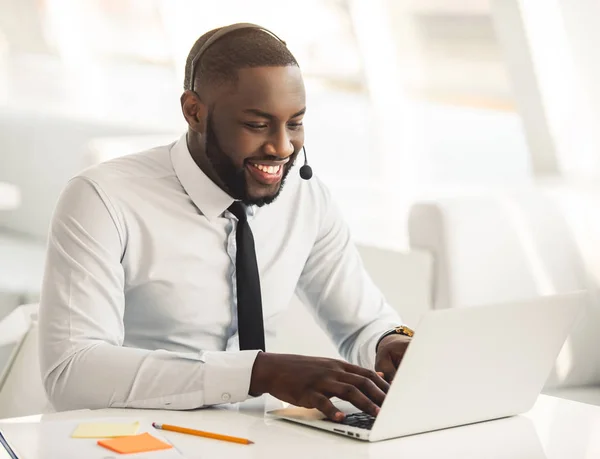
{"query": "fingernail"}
{"type": "Point", "coordinates": [380, 374]}
{"type": "Point", "coordinates": [339, 416]}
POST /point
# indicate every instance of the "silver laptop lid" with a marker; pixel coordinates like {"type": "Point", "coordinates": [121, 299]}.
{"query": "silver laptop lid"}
{"type": "Point", "coordinates": [466, 365]}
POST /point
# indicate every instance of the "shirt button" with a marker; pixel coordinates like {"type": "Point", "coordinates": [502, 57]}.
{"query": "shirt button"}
{"type": "Point", "coordinates": [226, 397]}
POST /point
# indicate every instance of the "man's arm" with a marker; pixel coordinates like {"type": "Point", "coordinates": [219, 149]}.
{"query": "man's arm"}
{"type": "Point", "coordinates": [349, 306]}
{"type": "Point", "coordinates": [345, 300]}
{"type": "Point", "coordinates": [83, 362]}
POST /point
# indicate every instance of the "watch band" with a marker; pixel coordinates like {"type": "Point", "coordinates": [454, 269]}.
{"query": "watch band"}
{"type": "Point", "coordinates": [401, 330]}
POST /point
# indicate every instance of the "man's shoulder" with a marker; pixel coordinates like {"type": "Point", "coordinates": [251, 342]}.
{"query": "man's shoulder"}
{"type": "Point", "coordinates": [313, 191]}
{"type": "Point", "coordinates": [154, 163]}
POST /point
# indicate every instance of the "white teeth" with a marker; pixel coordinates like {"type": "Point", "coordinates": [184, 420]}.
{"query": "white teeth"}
{"type": "Point", "coordinates": [268, 169]}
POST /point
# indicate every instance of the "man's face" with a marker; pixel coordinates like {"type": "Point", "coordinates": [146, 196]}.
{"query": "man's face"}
{"type": "Point", "coordinates": [254, 132]}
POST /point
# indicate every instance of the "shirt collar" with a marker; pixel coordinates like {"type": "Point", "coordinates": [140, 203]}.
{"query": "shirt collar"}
{"type": "Point", "coordinates": [206, 194]}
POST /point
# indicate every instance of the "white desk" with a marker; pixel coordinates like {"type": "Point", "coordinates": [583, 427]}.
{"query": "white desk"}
{"type": "Point", "coordinates": [10, 198]}
{"type": "Point", "coordinates": [554, 429]}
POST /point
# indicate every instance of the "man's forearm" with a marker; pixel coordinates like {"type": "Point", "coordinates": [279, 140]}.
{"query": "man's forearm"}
{"type": "Point", "coordinates": [101, 375]}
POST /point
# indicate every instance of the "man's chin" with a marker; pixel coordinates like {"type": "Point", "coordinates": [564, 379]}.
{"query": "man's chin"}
{"type": "Point", "coordinates": [260, 195]}
{"type": "Point", "coordinates": [256, 199]}
{"type": "Point", "coordinates": [259, 202]}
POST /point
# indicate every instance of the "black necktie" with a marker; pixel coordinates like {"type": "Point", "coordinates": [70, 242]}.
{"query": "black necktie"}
{"type": "Point", "coordinates": [249, 303]}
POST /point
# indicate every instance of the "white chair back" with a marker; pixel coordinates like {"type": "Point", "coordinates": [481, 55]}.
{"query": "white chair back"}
{"type": "Point", "coordinates": [21, 389]}
{"type": "Point", "coordinates": [502, 247]}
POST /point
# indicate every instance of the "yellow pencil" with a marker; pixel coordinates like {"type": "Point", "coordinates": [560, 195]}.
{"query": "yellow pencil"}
{"type": "Point", "coordinates": [200, 433]}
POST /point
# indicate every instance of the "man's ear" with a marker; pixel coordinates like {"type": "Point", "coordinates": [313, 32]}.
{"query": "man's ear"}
{"type": "Point", "coordinates": [194, 111]}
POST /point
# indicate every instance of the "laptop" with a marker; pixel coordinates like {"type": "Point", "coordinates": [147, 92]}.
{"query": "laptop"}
{"type": "Point", "coordinates": [464, 365]}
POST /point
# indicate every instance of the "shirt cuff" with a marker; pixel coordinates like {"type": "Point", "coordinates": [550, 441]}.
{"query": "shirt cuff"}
{"type": "Point", "coordinates": [227, 376]}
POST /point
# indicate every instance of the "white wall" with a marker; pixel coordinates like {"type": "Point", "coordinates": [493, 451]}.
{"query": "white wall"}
{"type": "Point", "coordinates": [551, 53]}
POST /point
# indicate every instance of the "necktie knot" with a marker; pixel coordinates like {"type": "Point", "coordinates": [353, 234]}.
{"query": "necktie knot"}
{"type": "Point", "coordinates": [239, 210]}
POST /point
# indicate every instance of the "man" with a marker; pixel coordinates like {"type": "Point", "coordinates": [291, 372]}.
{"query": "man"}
{"type": "Point", "coordinates": [164, 266]}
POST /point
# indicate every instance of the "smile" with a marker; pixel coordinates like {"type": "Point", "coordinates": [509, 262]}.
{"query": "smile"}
{"type": "Point", "coordinates": [266, 174]}
{"type": "Point", "coordinates": [273, 170]}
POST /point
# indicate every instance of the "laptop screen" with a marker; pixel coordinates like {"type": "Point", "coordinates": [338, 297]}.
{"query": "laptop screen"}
{"type": "Point", "coordinates": [5, 451]}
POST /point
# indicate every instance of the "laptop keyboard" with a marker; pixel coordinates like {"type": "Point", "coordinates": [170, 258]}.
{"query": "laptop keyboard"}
{"type": "Point", "coordinates": [361, 420]}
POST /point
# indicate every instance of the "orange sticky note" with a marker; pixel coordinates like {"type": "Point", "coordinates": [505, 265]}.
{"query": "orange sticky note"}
{"type": "Point", "coordinates": [134, 444]}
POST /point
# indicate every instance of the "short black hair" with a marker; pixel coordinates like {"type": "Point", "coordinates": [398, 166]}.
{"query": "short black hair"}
{"type": "Point", "coordinates": [241, 48]}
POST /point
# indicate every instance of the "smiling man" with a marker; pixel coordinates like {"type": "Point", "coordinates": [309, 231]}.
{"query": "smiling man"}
{"type": "Point", "coordinates": [248, 166]}
{"type": "Point", "coordinates": [168, 270]}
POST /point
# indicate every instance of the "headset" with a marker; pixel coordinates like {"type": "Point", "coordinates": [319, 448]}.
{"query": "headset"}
{"type": "Point", "coordinates": [305, 171]}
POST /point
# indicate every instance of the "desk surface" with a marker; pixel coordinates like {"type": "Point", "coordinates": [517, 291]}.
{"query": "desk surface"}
{"type": "Point", "coordinates": [553, 429]}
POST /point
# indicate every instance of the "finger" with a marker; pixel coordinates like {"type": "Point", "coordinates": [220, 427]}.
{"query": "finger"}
{"type": "Point", "coordinates": [387, 367]}
{"type": "Point", "coordinates": [351, 394]}
{"type": "Point", "coordinates": [376, 378]}
{"type": "Point", "coordinates": [325, 406]}
{"type": "Point", "coordinates": [365, 385]}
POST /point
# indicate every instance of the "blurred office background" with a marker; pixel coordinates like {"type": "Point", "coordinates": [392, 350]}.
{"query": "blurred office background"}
{"type": "Point", "coordinates": [461, 138]}
{"type": "Point", "coordinates": [403, 96]}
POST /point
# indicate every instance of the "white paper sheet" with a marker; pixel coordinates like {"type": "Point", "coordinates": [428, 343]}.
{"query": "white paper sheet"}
{"type": "Point", "coordinates": [52, 440]}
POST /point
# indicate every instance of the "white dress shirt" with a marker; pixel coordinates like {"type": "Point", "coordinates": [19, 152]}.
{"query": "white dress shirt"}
{"type": "Point", "coordinates": [138, 304]}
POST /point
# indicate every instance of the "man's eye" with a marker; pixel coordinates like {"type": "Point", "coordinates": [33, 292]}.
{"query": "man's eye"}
{"type": "Point", "coordinates": [255, 125]}
{"type": "Point", "coordinates": [295, 125]}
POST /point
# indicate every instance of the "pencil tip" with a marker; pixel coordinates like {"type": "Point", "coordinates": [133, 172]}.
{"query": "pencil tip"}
{"type": "Point", "coordinates": [250, 442]}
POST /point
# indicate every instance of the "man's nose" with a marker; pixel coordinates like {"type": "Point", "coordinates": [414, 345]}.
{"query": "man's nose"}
{"type": "Point", "coordinates": [279, 145]}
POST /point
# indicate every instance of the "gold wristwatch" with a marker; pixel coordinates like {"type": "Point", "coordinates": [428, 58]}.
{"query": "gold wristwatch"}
{"type": "Point", "coordinates": [401, 330]}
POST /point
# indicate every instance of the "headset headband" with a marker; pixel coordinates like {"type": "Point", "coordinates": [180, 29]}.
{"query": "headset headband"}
{"type": "Point", "coordinates": [219, 34]}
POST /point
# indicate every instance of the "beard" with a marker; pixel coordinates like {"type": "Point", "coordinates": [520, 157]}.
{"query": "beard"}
{"type": "Point", "coordinates": [233, 177]}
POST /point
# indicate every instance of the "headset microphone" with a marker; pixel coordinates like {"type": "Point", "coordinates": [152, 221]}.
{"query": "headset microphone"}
{"type": "Point", "coordinates": [305, 171]}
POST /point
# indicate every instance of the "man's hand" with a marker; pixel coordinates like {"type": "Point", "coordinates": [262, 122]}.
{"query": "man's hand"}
{"type": "Point", "coordinates": [390, 352]}
{"type": "Point", "coordinates": [311, 381]}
